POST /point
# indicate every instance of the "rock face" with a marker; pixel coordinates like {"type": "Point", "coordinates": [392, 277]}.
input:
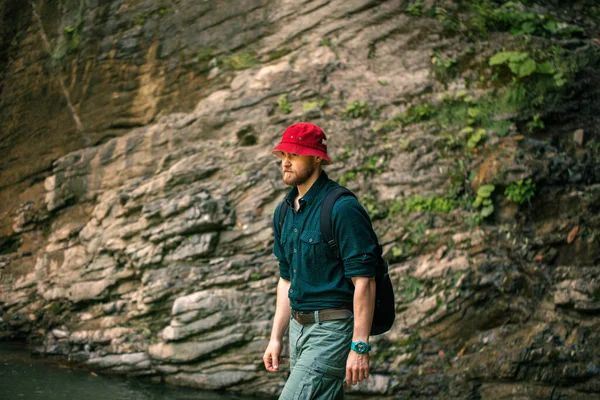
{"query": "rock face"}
{"type": "Point", "coordinates": [137, 186]}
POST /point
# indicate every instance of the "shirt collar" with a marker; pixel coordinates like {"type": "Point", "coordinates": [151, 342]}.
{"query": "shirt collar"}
{"type": "Point", "coordinates": [311, 194]}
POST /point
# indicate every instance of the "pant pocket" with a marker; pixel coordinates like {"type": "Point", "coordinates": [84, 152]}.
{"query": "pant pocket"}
{"type": "Point", "coordinates": [323, 382]}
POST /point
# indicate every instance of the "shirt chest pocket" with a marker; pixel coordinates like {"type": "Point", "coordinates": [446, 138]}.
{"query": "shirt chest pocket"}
{"type": "Point", "coordinates": [314, 249]}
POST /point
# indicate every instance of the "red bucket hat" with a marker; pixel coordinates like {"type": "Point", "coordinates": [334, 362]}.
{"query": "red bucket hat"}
{"type": "Point", "coordinates": [304, 139]}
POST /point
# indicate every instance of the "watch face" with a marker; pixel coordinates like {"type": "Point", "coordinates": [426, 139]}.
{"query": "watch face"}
{"type": "Point", "coordinates": [360, 347]}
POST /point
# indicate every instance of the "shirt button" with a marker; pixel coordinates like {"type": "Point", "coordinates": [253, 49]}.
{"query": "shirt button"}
{"type": "Point", "coordinates": [296, 230]}
{"type": "Point", "coordinates": [294, 270]}
{"type": "Point", "coordinates": [294, 250]}
{"type": "Point", "coordinates": [291, 290]}
{"type": "Point", "coordinates": [310, 240]}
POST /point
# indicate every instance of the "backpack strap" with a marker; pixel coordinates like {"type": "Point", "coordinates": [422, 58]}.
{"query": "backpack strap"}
{"type": "Point", "coordinates": [326, 217]}
{"type": "Point", "coordinates": [282, 213]}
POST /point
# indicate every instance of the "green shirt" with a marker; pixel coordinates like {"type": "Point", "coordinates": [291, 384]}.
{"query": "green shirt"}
{"type": "Point", "coordinates": [317, 278]}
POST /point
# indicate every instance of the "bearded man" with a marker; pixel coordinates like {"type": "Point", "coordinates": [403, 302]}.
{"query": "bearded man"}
{"type": "Point", "coordinates": [327, 302]}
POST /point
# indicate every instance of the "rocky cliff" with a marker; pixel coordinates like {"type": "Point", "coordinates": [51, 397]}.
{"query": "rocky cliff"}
{"type": "Point", "coordinates": [137, 185]}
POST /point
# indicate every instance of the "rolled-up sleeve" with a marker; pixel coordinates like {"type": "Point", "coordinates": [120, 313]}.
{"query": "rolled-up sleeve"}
{"type": "Point", "coordinates": [284, 267]}
{"type": "Point", "coordinates": [355, 237]}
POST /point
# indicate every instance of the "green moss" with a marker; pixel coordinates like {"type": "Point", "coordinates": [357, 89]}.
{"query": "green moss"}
{"type": "Point", "coordinates": [205, 54]}
{"type": "Point", "coordinates": [409, 289]}
{"type": "Point", "coordinates": [140, 19]}
{"type": "Point", "coordinates": [238, 62]}
{"type": "Point", "coordinates": [309, 105]}
{"type": "Point", "coordinates": [436, 205]}
{"type": "Point", "coordinates": [164, 11]}
{"type": "Point", "coordinates": [275, 54]}
{"type": "Point", "coordinates": [387, 126]}
{"type": "Point", "coordinates": [72, 35]}
{"type": "Point", "coordinates": [325, 42]}
{"type": "Point", "coordinates": [411, 341]}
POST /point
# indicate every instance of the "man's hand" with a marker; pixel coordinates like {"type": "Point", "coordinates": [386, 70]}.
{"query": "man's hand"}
{"type": "Point", "coordinates": [357, 367]}
{"type": "Point", "coordinates": [271, 357]}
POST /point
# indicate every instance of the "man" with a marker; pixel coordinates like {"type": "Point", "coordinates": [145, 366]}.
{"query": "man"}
{"type": "Point", "coordinates": [326, 302]}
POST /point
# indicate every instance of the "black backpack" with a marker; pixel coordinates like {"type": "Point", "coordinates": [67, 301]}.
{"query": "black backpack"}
{"type": "Point", "coordinates": [385, 313]}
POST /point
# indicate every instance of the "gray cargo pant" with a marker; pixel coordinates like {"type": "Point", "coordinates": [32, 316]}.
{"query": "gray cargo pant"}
{"type": "Point", "coordinates": [318, 355]}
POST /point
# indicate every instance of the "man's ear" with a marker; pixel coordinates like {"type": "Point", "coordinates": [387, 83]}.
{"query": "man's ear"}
{"type": "Point", "coordinates": [318, 159]}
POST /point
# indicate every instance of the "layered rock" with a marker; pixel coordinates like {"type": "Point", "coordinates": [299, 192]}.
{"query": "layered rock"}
{"type": "Point", "coordinates": [146, 251]}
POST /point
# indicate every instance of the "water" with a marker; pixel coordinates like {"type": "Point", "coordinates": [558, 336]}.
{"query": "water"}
{"type": "Point", "coordinates": [23, 377]}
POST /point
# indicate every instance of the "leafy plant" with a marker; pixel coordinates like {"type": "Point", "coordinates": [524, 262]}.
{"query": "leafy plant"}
{"type": "Point", "coordinates": [520, 192]}
{"type": "Point", "coordinates": [415, 9]}
{"type": "Point", "coordinates": [443, 68]}
{"type": "Point", "coordinates": [284, 105]}
{"type": "Point", "coordinates": [347, 177]}
{"type": "Point", "coordinates": [484, 201]}
{"type": "Point", "coordinates": [475, 138]}
{"type": "Point", "coordinates": [535, 123]}
{"type": "Point", "coordinates": [357, 109]}
{"type": "Point", "coordinates": [436, 205]}
{"type": "Point", "coordinates": [369, 202]}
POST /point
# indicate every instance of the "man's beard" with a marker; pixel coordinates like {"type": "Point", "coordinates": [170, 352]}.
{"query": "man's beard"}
{"type": "Point", "coordinates": [298, 178]}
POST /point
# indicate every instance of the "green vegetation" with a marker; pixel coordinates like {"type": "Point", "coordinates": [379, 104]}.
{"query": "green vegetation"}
{"type": "Point", "coordinates": [140, 19]}
{"type": "Point", "coordinates": [484, 201]}
{"type": "Point", "coordinates": [414, 8]}
{"type": "Point", "coordinates": [205, 54]}
{"type": "Point", "coordinates": [325, 42]}
{"type": "Point", "coordinates": [284, 105]}
{"type": "Point", "coordinates": [413, 238]}
{"type": "Point", "coordinates": [370, 167]}
{"type": "Point", "coordinates": [436, 205]}
{"type": "Point", "coordinates": [443, 68]}
{"type": "Point", "coordinates": [369, 203]}
{"type": "Point", "coordinates": [255, 277]}
{"type": "Point", "coordinates": [372, 50]}
{"type": "Point", "coordinates": [275, 54]}
{"type": "Point", "coordinates": [418, 113]}
{"type": "Point", "coordinates": [237, 62]}
{"type": "Point", "coordinates": [72, 35]}
{"type": "Point", "coordinates": [357, 109]}
{"type": "Point", "coordinates": [309, 105]}
{"type": "Point", "coordinates": [409, 289]}
{"type": "Point", "coordinates": [346, 155]}
{"type": "Point", "coordinates": [520, 192]}
{"type": "Point", "coordinates": [476, 18]}
{"type": "Point", "coordinates": [475, 137]}
{"type": "Point", "coordinates": [535, 123]}
{"type": "Point", "coordinates": [347, 177]}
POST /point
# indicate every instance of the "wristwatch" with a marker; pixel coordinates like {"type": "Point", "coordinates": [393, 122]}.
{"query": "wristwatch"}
{"type": "Point", "coordinates": [360, 347]}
